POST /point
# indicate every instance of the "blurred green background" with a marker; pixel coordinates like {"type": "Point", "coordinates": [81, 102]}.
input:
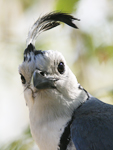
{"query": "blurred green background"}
{"type": "Point", "coordinates": [88, 52]}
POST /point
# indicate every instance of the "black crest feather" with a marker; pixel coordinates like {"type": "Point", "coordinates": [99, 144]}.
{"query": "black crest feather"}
{"type": "Point", "coordinates": [47, 22]}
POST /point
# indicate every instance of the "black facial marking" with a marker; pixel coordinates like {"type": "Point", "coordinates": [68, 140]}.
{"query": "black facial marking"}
{"type": "Point", "coordinates": [24, 58]}
{"type": "Point", "coordinates": [29, 59]}
{"type": "Point", "coordinates": [29, 49]}
{"type": "Point", "coordinates": [36, 52]}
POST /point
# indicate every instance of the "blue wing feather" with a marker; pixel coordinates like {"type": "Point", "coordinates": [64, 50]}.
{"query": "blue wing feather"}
{"type": "Point", "coordinates": [92, 127]}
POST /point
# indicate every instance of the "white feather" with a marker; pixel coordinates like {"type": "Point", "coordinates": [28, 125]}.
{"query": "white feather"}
{"type": "Point", "coordinates": [51, 109]}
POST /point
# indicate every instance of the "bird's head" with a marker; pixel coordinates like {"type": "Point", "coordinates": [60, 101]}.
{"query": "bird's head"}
{"type": "Point", "coordinates": [53, 81]}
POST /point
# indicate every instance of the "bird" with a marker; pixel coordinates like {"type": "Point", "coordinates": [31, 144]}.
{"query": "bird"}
{"type": "Point", "coordinates": [63, 115]}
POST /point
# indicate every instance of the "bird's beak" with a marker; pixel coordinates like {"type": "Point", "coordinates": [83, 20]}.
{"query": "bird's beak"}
{"type": "Point", "coordinates": [42, 82]}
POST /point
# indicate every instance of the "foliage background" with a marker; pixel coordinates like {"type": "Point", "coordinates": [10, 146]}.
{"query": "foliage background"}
{"type": "Point", "coordinates": [88, 52]}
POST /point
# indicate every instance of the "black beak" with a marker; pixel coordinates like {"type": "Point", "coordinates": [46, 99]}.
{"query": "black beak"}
{"type": "Point", "coordinates": [41, 82]}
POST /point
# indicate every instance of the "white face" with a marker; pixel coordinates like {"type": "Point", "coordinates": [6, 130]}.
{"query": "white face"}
{"type": "Point", "coordinates": [49, 72]}
{"type": "Point", "coordinates": [47, 63]}
{"type": "Point", "coordinates": [52, 63]}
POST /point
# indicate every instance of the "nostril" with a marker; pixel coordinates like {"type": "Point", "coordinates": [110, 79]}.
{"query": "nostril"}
{"type": "Point", "coordinates": [42, 73]}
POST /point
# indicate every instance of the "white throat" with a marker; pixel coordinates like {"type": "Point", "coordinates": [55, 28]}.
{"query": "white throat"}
{"type": "Point", "coordinates": [49, 114]}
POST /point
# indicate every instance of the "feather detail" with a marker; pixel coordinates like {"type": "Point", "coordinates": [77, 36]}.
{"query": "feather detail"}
{"type": "Point", "coordinates": [47, 22]}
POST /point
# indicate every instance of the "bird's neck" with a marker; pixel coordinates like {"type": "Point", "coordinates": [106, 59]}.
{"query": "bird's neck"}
{"type": "Point", "coordinates": [51, 112]}
{"type": "Point", "coordinates": [51, 105]}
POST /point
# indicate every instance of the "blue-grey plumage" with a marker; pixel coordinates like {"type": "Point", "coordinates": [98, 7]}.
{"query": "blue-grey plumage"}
{"type": "Point", "coordinates": [92, 127]}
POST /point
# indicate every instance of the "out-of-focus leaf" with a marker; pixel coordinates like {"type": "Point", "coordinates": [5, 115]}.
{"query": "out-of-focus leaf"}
{"type": "Point", "coordinates": [27, 3]}
{"type": "Point", "coordinates": [88, 44]}
{"type": "Point", "coordinates": [104, 53]}
{"type": "Point", "coordinates": [25, 142]}
{"type": "Point", "coordinates": [27, 132]}
{"type": "Point", "coordinates": [21, 144]}
{"type": "Point", "coordinates": [66, 5]}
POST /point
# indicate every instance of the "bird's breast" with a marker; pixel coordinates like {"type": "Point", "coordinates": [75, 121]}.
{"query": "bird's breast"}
{"type": "Point", "coordinates": [48, 119]}
{"type": "Point", "coordinates": [47, 134]}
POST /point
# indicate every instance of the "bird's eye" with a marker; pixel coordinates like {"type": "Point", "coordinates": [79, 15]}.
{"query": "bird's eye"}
{"type": "Point", "coordinates": [23, 79]}
{"type": "Point", "coordinates": [61, 68]}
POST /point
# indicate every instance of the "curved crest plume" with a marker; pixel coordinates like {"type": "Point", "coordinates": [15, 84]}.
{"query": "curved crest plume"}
{"type": "Point", "coordinates": [47, 22]}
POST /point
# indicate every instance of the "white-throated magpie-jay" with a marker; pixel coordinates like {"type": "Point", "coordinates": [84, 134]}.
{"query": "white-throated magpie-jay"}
{"type": "Point", "coordinates": [63, 115]}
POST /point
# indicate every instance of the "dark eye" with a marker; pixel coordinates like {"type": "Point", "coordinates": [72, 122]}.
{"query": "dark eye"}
{"type": "Point", "coordinates": [23, 79]}
{"type": "Point", "coordinates": [61, 68]}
